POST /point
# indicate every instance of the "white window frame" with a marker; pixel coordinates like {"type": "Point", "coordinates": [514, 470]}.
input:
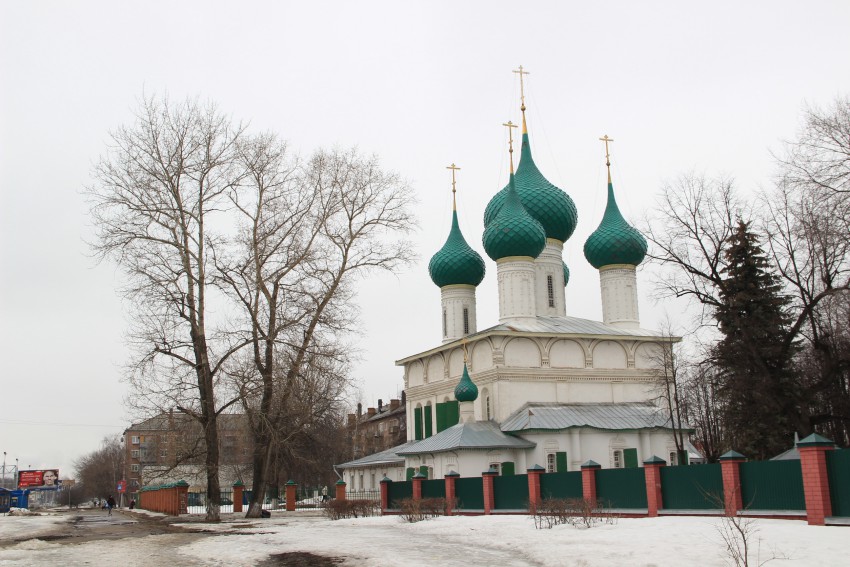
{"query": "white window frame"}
{"type": "Point", "coordinates": [134, 454]}
{"type": "Point", "coordinates": [617, 458]}
{"type": "Point", "coordinates": [134, 439]}
{"type": "Point", "coordinates": [134, 468]}
{"type": "Point", "coordinates": [551, 462]}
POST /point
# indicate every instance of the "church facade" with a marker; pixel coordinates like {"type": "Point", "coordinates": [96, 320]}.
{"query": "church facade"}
{"type": "Point", "coordinates": [540, 388]}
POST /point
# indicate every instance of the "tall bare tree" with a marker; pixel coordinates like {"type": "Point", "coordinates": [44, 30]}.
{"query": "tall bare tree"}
{"type": "Point", "coordinates": [308, 229]}
{"type": "Point", "coordinates": [157, 192]}
{"type": "Point", "coordinates": [99, 471]}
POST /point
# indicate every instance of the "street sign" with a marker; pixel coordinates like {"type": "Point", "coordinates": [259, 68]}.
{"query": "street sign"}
{"type": "Point", "coordinates": [122, 486]}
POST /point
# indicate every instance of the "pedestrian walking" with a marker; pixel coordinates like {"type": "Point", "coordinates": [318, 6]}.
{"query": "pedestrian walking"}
{"type": "Point", "coordinates": [110, 504]}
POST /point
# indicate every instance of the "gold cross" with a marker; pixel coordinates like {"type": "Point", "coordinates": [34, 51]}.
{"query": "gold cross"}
{"type": "Point", "coordinates": [510, 125]}
{"type": "Point", "coordinates": [520, 72]}
{"type": "Point", "coordinates": [454, 168]}
{"type": "Point", "coordinates": [606, 139]}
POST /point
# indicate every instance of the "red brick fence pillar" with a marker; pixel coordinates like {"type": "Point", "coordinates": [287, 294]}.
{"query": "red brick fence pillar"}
{"type": "Point", "coordinates": [730, 468]}
{"type": "Point", "coordinates": [291, 489]}
{"type": "Point", "coordinates": [451, 477]}
{"type": "Point", "coordinates": [385, 494]}
{"type": "Point", "coordinates": [340, 489]}
{"type": "Point", "coordinates": [652, 473]}
{"type": "Point", "coordinates": [489, 495]}
{"type": "Point", "coordinates": [417, 485]}
{"type": "Point", "coordinates": [534, 487]}
{"type": "Point", "coordinates": [588, 481]}
{"type": "Point", "coordinates": [238, 487]}
{"type": "Point", "coordinates": [815, 480]}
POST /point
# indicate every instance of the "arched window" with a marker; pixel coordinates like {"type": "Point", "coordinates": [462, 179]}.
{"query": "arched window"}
{"type": "Point", "coordinates": [550, 289]}
{"type": "Point", "coordinates": [550, 462]}
{"type": "Point", "coordinates": [465, 321]}
{"type": "Point", "coordinates": [445, 327]}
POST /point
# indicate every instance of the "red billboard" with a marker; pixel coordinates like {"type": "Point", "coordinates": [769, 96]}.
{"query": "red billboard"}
{"type": "Point", "coordinates": [38, 479]}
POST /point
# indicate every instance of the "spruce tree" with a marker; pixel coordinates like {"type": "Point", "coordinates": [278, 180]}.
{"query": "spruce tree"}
{"type": "Point", "coordinates": [759, 388]}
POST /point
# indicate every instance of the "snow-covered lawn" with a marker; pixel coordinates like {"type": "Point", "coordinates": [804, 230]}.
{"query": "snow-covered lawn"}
{"type": "Point", "coordinates": [481, 540]}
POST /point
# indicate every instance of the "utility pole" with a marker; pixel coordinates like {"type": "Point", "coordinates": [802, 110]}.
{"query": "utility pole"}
{"type": "Point", "coordinates": [4, 469]}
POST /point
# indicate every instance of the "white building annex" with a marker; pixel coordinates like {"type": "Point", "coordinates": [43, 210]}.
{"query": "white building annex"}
{"type": "Point", "coordinates": [540, 387]}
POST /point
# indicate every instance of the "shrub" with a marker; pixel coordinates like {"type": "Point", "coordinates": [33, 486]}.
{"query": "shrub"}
{"type": "Point", "coordinates": [341, 509]}
{"type": "Point", "coordinates": [418, 510]}
{"type": "Point", "coordinates": [576, 512]}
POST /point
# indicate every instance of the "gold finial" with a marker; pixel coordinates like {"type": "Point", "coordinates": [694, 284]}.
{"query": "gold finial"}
{"type": "Point", "coordinates": [606, 139]}
{"type": "Point", "coordinates": [520, 72]}
{"type": "Point", "coordinates": [510, 125]}
{"type": "Point", "coordinates": [463, 342]}
{"type": "Point", "coordinates": [454, 168]}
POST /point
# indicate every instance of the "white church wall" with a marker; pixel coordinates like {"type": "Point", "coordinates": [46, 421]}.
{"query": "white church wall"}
{"type": "Point", "coordinates": [609, 354]}
{"type": "Point", "coordinates": [522, 353]}
{"type": "Point", "coordinates": [647, 355]}
{"type": "Point", "coordinates": [436, 368]}
{"type": "Point", "coordinates": [566, 354]}
{"type": "Point", "coordinates": [415, 374]}
{"type": "Point", "coordinates": [482, 356]}
{"type": "Point", "coordinates": [456, 364]}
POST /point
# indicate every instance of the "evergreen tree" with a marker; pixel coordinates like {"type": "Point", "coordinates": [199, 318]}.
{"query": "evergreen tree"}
{"type": "Point", "coordinates": [759, 387]}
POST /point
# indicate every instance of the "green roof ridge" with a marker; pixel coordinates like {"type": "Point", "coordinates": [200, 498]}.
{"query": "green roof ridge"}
{"type": "Point", "coordinates": [615, 241]}
{"type": "Point", "coordinates": [456, 262]}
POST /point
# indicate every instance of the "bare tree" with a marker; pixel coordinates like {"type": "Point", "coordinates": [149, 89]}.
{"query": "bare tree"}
{"type": "Point", "coordinates": [308, 230]}
{"type": "Point", "coordinates": [666, 360]}
{"type": "Point", "coordinates": [99, 471]}
{"type": "Point", "coordinates": [157, 192]}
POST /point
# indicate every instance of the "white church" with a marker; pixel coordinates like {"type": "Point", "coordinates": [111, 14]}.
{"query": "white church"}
{"type": "Point", "coordinates": [540, 388]}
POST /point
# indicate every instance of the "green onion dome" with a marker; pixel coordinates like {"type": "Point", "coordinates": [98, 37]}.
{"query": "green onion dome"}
{"type": "Point", "coordinates": [456, 262]}
{"type": "Point", "coordinates": [513, 232]}
{"type": "Point", "coordinates": [615, 241]}
{"type": "Point", "coordinates": [466, 390]}
{"type": "Point", "coordinates": [566, 274]}
{"type": "Point", "coordinates": [550, 206]}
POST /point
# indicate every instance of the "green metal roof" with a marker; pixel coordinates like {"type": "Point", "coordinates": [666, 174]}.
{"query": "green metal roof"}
{"type": "Point", "coordinates": [456, 262]}
{"type": "Point", "coordinates": [513, 232]}
{"type": "Point", "coordinates": [566, 274]}
{"type": "Point", "coordinates": [547, 204]}
{"type": "Point", "coordinates": [615, 241]}
{"type": "Point", "coordinates": [466, 390]}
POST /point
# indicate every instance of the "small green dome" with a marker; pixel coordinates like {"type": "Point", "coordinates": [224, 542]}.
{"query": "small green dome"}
{"type": "Point", "coordinates": [566, 274]}
{"type": "Point", "coordinates": [456, 262]}
{"type": "Point", "coordinates": [513, 232]}
{"type": "Point", "coordinates": [550, 206]}
{"type": "Point", "coordinates": [466, 390]}
{"type": "Point", "coordinates": [615, 241]}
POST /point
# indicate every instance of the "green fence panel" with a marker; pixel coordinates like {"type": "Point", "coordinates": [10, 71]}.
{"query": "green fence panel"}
{"type": "Point", "coordinates": [508, 468]}
{"type": "Point", "coordinates": [621, 488]}
{"type": "Point", "coordinates": [398, 491]}
{"type": "Point", "coordinates": [434, 488]}
{"type": "Point", "coordinates": [560, 485]}
{"type": "Point", "coordinates": [772, 485]}
{"type": "Point", "coordinates": [838, 471]}
{"type": "Point", "coordinates": [470, 493]}
{"type": "Point", "coordinates": [511, 492]}
{"type": "Point", "coordinates": [696, 487]}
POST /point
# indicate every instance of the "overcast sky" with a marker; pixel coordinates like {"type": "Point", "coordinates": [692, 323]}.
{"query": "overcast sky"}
{"type": "Point", "coordinates": [421, 84]}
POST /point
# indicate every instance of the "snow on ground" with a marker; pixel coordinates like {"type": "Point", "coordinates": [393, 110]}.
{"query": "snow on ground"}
{"type": "Point", "coordinates": [513, 540]}
{"type": "Point", "coordinates": [28, 524]}
{"type": "Point", "coordinates": [481, 540]}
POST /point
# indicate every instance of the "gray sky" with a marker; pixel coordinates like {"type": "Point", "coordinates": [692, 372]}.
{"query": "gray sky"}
{"type": "Point", "coordinates": [422, 84]}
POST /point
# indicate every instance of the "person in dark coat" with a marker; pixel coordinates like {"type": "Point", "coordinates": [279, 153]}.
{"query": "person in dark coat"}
{"type": "Point", "coordinates": [110, 504]}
